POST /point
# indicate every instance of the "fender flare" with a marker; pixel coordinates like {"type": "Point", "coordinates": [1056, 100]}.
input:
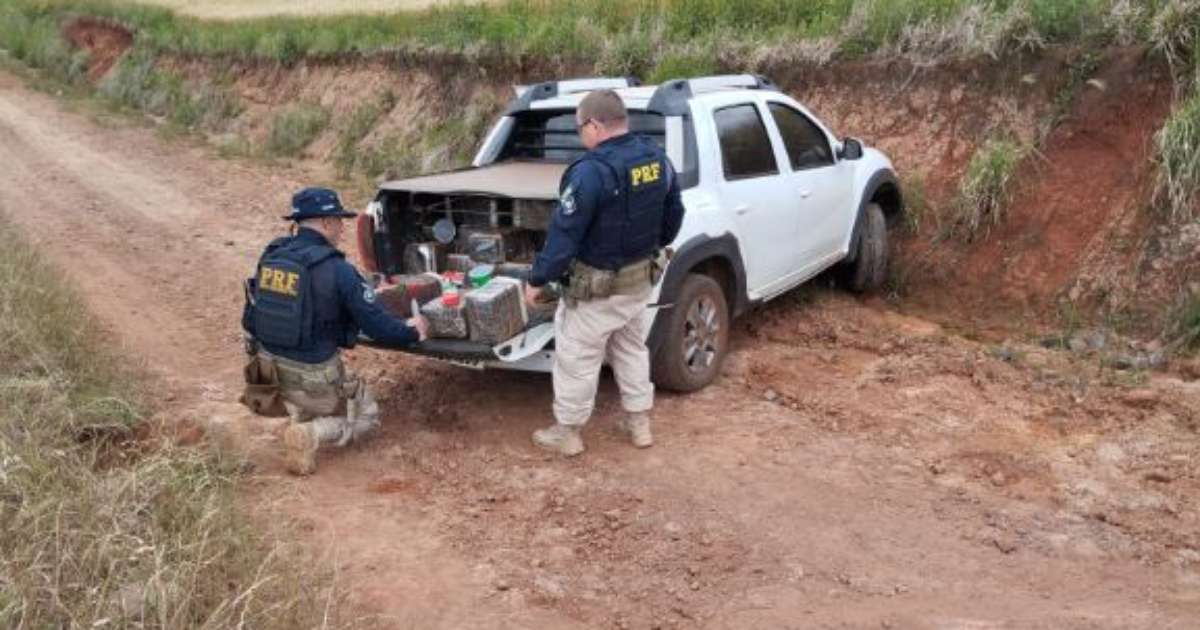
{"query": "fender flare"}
{"type": "Point", "coordinates": [874, 183]}
{"type": "Point", "coordinates": [695, 251]}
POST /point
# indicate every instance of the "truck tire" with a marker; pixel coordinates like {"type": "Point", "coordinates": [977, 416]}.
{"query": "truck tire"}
{"type": "Point", "coordinates": [868, 272]}
{"type": "Point", "coordinates": [697, 337]}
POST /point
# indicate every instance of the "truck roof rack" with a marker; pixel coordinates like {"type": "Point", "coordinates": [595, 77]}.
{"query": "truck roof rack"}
{"type": "Point", "coordinates": [527, 94]}
{"type": "Point", "coordinates": [671, 97]}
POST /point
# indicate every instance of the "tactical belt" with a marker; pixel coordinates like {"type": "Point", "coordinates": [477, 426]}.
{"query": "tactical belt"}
{"type": "Point", "coordinates": [586, 282]}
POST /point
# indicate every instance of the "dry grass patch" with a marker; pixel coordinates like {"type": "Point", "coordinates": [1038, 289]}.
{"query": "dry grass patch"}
{"type": "Point", "coordinates": [986, 188]}
{"type": "Point", "coordinates": [99, 531]}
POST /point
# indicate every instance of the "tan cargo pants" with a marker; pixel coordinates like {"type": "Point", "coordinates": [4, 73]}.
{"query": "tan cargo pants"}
{"type": "Point", "coordinates": [590, 332]}
{"type": "Point", "coordinates": [337, 402]}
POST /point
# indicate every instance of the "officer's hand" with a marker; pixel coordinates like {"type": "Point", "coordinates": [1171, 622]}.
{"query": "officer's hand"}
{"type": "Point", "coordinates": [421, 324]}
{"type": "Point", "coordinates": [533, 295]}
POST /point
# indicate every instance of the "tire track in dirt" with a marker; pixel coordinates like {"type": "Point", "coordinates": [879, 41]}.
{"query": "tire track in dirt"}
{"type": "Point", "coordinates": [796, 492]}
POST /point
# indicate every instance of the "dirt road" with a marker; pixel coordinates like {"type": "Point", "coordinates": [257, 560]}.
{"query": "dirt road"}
{"type": "Point", "coordinates": [853, 467]}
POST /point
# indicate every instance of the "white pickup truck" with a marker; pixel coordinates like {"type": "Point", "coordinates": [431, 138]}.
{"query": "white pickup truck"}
{"type": "Point", "coordinates": [773, 198]}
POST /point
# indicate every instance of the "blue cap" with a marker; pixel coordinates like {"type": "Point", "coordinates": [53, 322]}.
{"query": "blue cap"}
{"type": "Point", "coordinates": [316, 203]}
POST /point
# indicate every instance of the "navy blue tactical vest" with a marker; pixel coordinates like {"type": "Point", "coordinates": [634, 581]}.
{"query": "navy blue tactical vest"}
{"type": "Point", "coordinates": [296, 296]}
{"type": "Point", "coordinates": [629, 223]}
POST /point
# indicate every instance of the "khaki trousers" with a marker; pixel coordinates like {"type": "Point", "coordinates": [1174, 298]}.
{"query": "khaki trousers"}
{"type": "Point", "coordinates": [585, 336]}
{"type": "Point", "coordinates": [337, 402]}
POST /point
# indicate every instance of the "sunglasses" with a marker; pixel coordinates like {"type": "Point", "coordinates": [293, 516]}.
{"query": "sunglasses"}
{"type": "Point", "coordinates": [579, 126]}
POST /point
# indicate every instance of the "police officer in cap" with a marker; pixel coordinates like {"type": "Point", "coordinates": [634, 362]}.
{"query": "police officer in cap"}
{"type": "Point", "coordinates": [304, 304]}
{"type": "Point", "coordinates": [619, 207]}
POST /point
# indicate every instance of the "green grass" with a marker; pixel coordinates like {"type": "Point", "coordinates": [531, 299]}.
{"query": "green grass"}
{"type": "Point", "coordinates": [614, 34]}
{"type": "Point", "coordinates": [1175, 31]}
{"type": "Point", "coordinates": [1184, 329]}
{"type": "Point", "coordinates": [1177, 149]}
{"type": "Point", "coordinates": [34, 39]}
{"type": "Point", "coordinates": [294, 128]}
{"type": "Point", "coordinates": [93, 533]}
{"type": "Point", "coordinates": [355, 128]}
{"type": "Point", "coordinates": [391, 157]}
{"type": "Point", "coordinates": [682, 65]}
{"type": "Point", "coordinates": [139, 84]}
{"type": "Point", "coordinates": [918, 212]}
{"type": "Point", "coordinates": [985, 190]}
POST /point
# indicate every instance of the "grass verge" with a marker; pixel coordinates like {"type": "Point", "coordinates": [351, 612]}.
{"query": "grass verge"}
{"type": "Point", "coordinates": [985, 192]}
{"type": "Point", "coordinates": [1184, 330]}
{"type": "Point", "coordinates": [1175, 31]}
{"type": "Point", "coordinates": [138, 83]}
{"type": "Point", "coordinates": [295, 128]}
{"type": "Point", "coordinates": [1177, 147]}
{"type": "Point", "coordinates": [355, 128]}
{"type": "Point", "coordinates": [34, 39]}
{"type": "Point", "coordinates": [634, 34]}
{"type": "Point", "coordinates": [94, 534]}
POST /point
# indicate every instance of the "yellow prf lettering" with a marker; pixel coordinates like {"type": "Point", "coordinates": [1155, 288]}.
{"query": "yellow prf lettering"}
{"type": "Point", "coordinates": [646, 174]}
{"type": "Point", "coordinates": [277, 281]}
{"type": "Point", "coordinates": [292, 278]}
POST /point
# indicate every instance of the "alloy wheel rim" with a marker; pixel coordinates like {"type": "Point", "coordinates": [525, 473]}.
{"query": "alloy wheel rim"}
{"type": "Point", "coordinates": [701, 335]}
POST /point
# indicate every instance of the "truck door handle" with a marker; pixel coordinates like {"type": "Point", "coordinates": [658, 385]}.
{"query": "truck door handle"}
{"type": "Point", "coordinates": [805, 194]}
{"type": "Point", "coordinates": [741, 209]}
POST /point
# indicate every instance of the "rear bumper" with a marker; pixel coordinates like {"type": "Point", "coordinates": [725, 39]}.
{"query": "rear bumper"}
{"type": "Point", "coordinates": [447, 349]}
{"type": "Point", "coordinates": [472, 354]}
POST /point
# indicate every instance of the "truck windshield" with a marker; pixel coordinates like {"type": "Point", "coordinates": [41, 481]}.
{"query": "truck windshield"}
{"type": "Point", "coordinates": [550, 135]}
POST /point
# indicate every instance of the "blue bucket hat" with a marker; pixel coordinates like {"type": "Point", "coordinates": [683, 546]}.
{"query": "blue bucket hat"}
{"type": "Point", "coordinates": [316, 203]}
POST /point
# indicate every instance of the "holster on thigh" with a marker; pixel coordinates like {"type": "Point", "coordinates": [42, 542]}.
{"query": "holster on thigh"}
{"type": "Point", "coordinates": [262, 393]}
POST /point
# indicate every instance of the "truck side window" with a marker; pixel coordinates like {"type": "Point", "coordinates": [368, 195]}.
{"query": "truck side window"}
{"type": "Point", "coordinates": [807, 146]}
{"type": "Point", "coordinates": [745, 147]}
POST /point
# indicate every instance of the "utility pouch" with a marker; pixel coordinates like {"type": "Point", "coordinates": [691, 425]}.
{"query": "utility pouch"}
{"type": "Point", "coordinates": [602, 283]}
{"type": "Point", "coordinates": [589, 283]}
{"type": "Point", "coordinates": [262, 393]}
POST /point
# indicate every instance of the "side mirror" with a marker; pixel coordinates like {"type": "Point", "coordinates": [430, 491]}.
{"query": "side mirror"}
{"type": "Point", "coordinates": [851, 149]}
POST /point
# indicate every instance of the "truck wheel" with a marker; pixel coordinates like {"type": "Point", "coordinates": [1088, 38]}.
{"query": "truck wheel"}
{"type": "Point", "coordinates": [697, 337]}
{"type": "Point", "coordinates": [868, 272]}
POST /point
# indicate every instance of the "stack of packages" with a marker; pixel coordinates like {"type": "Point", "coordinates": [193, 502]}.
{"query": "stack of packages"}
{"type": "Point", "coordinates": [446, 317]}
{"type": "Point", "coordinates": [398, 299]}
{"type": "Point", "coordinates": [496, 311]}
{"type": "Point", "coordinates": [475, 294]}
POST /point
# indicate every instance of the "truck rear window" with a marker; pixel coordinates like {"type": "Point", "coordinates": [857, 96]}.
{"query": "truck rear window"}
{"type": "Point", "coordinates": [550, 134]}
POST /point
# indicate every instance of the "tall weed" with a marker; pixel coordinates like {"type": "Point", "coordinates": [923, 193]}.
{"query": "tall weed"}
{"type": "Point", "coordinates": [1177, 147]}
{"type": "Point", "coordinates": [985, 191]}
{"type": "Point", "coordinates": [1184, 329]}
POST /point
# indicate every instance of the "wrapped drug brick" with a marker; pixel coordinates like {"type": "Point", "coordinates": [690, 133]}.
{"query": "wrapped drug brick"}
{"type": "Point", "coordinates": [485, 247]}
{"type": "Point", "coordinates": [447, 318]}
{"type": "Point", "coordinates": [495, 311]}
{"type": "Point", "coordinates": [397, 299]}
